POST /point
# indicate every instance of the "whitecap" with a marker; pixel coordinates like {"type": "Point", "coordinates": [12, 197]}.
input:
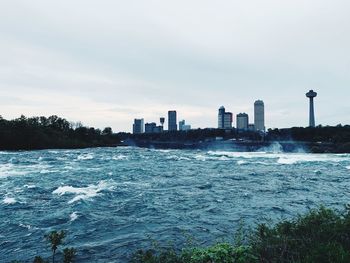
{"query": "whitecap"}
{"type": "Point", "coordinates": [9, 200]}
{"type": "Point", "coordinates": [83, 193]}
{"type": "Point", "coordinates": [348, 167]}
{"type": "Point", "coordinates": [25, 226]}
{"type": "Point", "coordinates": [73, 216]}
{"type": "Point", "coordinates": [120, 157]}
{"type": "Point", "coordinates": [30, 186]}
{"type": "Point", "coordinates": [8, 169]}
{"type": "Point", "coordinates": [85, 157]}
{"type": "Point", "coordinates": [177, 158]}
{"type": "Point", "coordinates": [200, 157]}
{"type": "Point", "coordinates": [283, 160]}
{"type": "Point", "coordinates": [241, 162]}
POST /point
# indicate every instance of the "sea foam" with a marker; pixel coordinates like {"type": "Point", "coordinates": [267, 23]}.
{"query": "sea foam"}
{"type": "Point", "coordinates": [9, 200]}
{"type": "Point", "coordinates": [83, 193]}
{"type": "Point", "coordinates": [85, 157]}
{"type": "Point", "coordinates": [73, 216]}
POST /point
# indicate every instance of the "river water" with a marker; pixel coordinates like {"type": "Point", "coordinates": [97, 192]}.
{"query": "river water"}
{"type": "Point", "coordinates": [113, 201]}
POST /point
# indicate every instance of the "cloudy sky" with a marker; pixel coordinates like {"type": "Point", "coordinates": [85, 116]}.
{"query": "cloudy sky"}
{"type": "Point", "coordinates": [107, 62]}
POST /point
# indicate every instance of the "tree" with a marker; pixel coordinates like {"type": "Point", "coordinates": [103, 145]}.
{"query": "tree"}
{"type": "Point", "coordinates": [39, 259]}
{"type": "Point", "coordinates": [68, 255]}
{"type": "Point", "coordinates": [107, 131]}
{"type": "Point", "coordinates": [55, 238]}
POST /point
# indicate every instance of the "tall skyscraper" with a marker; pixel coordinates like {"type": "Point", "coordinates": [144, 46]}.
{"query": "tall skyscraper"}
{"type": "Point", "coordinates": [172, 124]}
{"type": "Point", "coordinates": [311, 95]}
{"type": "Point", "coordinates": [221, 117]}
{"type": "Point", "coordinates": [224, 119]}
{"type": "Point", "coordinates": [242, 121]}
{"type": "Point", "coordinates": [259, 115]}
{"type": "Point", "coordinates": [137, 127]}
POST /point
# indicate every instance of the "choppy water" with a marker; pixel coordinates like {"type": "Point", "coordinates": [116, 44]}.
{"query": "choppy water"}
{"type": "Point", "coordinates": [111, 200]}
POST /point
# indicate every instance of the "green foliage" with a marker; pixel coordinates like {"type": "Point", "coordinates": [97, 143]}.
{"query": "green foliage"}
{"type": "Point", "coordinates": [55, 238]}
{"type": "Point", "coordinates": [322, 235]}
{"type": "Point", "coordinates": [52, 132]}
{"type": "Point", "coordinates": [68, 255]}
{"type": "Point", "coordinates": [223, 252]}
{"type": "Point", "coordinates": [39, 259]}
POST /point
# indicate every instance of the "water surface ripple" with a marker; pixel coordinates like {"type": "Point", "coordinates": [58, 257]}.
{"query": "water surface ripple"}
{"type": "Point", "coordinates": [112, 200]}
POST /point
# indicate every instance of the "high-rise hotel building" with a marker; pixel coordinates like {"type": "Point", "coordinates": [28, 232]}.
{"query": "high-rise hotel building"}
{"type": "Point", "coordinates": [172, 123]}
{"type": "Point", "coordinates": [242, 121]}
{"type": "Point", "coordinates": [259, 115]}
{"type": "Point", "coordinates": [137, 127]}
{"type": "Point", "coordinates": [224, 119]}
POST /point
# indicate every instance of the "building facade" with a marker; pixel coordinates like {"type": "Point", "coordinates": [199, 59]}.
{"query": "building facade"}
{"type": "Point", "coordinates": [224, 119]}
{"type": "Point", "coordinates": [242, 120]}
{"type": "Point", "coordinates": [259, 115]}
{"type": "Point", "coordinates": [153, 128]}
{"type": "Point", "coordinates": [181, 124]}
{"type": "Point", "coordinates": [251, 127]}
{"type": "Point", "coordinates": [172, 123]}
{"type": "Point", "coordinates": [149, 127]}
{"type": "Point", "coordinates": [221, 117]}
{"type": "Point", "coordinates": [137, 127]}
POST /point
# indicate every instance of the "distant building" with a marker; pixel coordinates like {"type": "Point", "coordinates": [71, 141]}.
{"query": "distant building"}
{"type": "Point", "coordinates": [186, 127]}
{"type": "Point", "coordinates": [259, 115]}
{"type": "Point", "coordinates": [153, 128]}
{"type": "Point", "coordinates": [137, 127]}
{"type": "Point", "coordinates": [221, 117]}
{"type": "Point", "coordinates": [224, 119]}
{"type": "Point", "coordinates": [172, 124]}
{"type": "Point", "coordinates": [183, 126]}
{"type": "Point", "coordinates": [149, 127]}
{"type": "Point", "coordinates": [251, 127]}
{"type": "Point", "coordinates": [158, 129]}
{"type": "Point", "coordinates": [242, 120]}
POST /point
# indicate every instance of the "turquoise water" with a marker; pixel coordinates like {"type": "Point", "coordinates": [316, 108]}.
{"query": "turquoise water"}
{"type": "Point", "coordinates": [113, 200]}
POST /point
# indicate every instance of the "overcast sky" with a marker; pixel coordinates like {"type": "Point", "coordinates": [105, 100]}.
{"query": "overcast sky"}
{"type": "Point", "coordinates": [107, 62]}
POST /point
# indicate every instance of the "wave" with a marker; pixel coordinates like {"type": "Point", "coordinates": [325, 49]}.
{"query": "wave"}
{"type": "Point", "coordinates": [348, 167]}
{"type": "Point", "coordinates": [83, 193]}
{"type": "Point", "coordinates": [9, 169]}
{"type": "Point", "coordinates": [29, 186]}
{"type": "Point", "coordinates": [247, 155]}
{"type": "Point", "coordinates": [200, 157]}
{"type": "Point", "coordinates": [241, 162]}
{"type": "Point", "coordinates": [120, 157]}
{"type": "Point", "coordinates": [9, 200]}
{"type": "Point", "coordinates": [304, 158]}
{"type": "Point", "coordinates": [88, 156]}
{"type": "Point", "coordinates": [73, 216]}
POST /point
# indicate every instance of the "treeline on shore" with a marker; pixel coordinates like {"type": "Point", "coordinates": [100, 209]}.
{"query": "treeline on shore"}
{"type": "Point", "coordinates": [55, 132]}
{"type": "Point", "coordinates": [322, 235]}
{"type": "Point", "coordinates": [51, 132]}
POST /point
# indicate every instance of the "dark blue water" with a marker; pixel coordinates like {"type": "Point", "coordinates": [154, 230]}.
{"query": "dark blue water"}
{"type": "Point", "coordinates": [113, 200]}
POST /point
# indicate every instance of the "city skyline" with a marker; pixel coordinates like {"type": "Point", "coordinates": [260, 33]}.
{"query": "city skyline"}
{"type": "Point", "coordinates": [105, 65]}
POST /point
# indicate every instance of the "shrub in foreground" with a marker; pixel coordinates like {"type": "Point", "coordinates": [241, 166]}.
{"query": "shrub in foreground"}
{"type": "Point", "coordinates": [321, 235]}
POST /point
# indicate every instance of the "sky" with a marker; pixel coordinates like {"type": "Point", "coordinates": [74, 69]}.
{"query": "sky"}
{"type": "Point", "coordinates": [105, 63]}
